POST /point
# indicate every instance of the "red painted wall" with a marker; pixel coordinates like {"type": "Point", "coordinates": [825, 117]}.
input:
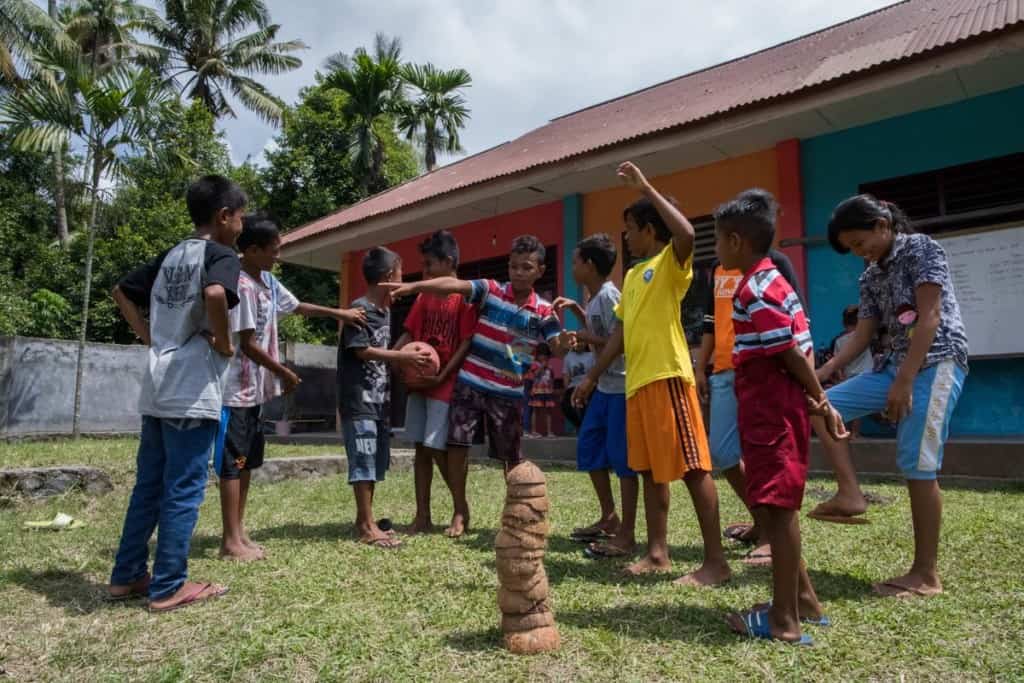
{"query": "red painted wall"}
{"type": "Point", "coordinates": [791, 203]}
{"type": "Point", "coordinates": [478, 240]}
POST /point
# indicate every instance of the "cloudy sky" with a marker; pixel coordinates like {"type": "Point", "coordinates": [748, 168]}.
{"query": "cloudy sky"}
{"type": "Point", "coordinates": [533, 60]}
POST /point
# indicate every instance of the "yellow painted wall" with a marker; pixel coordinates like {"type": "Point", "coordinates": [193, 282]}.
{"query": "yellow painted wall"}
{"type": "Point", "coordinates": [698, 190]}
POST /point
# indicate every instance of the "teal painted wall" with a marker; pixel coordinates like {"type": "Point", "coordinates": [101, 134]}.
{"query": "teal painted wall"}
{"type": "Point", "coordinates": [833, 167]}
{"type": "Point", "coordinates": [572, 233]}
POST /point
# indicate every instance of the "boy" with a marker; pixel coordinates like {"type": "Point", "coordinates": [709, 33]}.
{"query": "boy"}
{"type": "Point", "coordinates": [488, 398]}
{"type": "Point", "coordinates": [446, 323]}
{"type": "Point", "coordinates": [256, 375]}
{"type": "Point", "coordinates": [718, 390]}
{"type": "Point", "coordinates": [774, 382]}
{"type": "Point", "coordinates": [601, 445]}
{"type": "Point", "coordinates": [364, 391]}
{"type": "Point", "coordinates": [188, 290]}
{"type": "Point", "coordinates": [665, 434]}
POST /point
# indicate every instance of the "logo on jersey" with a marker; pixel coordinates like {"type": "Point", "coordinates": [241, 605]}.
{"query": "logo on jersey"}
{"type": "Point", "coordinates": [648, 274]}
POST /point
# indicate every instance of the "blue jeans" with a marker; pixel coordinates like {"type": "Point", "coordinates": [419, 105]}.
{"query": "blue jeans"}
{"type": "Point", "coordinates": [170, 483]}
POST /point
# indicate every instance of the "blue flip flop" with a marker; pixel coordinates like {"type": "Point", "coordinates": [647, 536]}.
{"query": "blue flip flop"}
{"type": "Point", "coordinates": [756, 622]}
{"type": "Point", "coordinates": [823, 622]}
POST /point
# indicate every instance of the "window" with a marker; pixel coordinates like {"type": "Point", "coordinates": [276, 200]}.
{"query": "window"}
{"type": "Point", "coordinates": [958, 197]}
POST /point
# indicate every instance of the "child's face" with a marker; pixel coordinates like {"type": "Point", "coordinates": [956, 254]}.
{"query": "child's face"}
{"type": "Point", "coordinates": [871, 245]}
{"type": "Point", "coordinates": [640, 240]}
{"type": "Point", "coordinates": [229, 224]}
{"type": "Point", "coordinates": [581, 270]}
{"type": "Point", "coordinates": [264, 258]}
{"type": "Point", "coordinates": [523, 271]}
{"type": "Point", "coordinates": [396, 273]}
{"type": "Point", "coordinates": [435, 267]}
{"type": "Point", "coordinates": [728, 248]}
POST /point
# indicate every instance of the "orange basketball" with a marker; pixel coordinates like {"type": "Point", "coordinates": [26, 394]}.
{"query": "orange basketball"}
{"type": "Point", "coordinates": [413, 374]}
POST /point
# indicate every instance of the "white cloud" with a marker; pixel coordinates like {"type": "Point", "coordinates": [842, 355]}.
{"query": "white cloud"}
{"type": "Point", "coordinates": [533, 60]}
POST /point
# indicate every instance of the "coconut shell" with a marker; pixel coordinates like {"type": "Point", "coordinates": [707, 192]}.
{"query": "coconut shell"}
{"type": "Point", "coordinates": [522, 491]}
{"type": "Point", "coordinates": [512, 538]}
{"type": "Point", "coordinates": [524, 473]}
{"type": "Point", "coordinates": [518, 554]}
{"type": "Point", "coordinates": [524, 622]}
{"type": "Point", "coordinates": [510, 602]}
{"type": "Point", "coordinates": [522, 512]}
{"type": "Point", "coordinates": [534, 587]}
{"type": "Point", "coordinates": [539, 528]}
{"type": "Point", "coordinates": [545, 639]}
{"type": "Point", "coordinates": [509, 569]}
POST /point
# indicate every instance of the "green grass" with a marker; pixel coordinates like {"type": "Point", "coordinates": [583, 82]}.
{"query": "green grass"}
{"type": "Point", "coordinates": [323, 607]}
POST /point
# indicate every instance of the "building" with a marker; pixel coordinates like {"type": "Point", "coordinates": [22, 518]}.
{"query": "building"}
{"type": "Point", "coordinates": [918, 102]}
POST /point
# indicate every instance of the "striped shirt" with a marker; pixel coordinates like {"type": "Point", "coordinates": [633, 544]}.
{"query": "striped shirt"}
{"type": "Point", "coordinates": [505, 338]}
{"type": "Point", "coordinates": [767, 316]}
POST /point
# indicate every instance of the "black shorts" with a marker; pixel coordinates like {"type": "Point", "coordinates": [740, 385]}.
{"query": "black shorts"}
{"type": "Point", "coordinates": [243, 441]}
{"type": "Point", "coordinates": [474, 414]}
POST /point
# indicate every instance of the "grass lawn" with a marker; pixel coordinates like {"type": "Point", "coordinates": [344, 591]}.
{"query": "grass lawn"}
{"type": "Point", "coordinates": [323, 607]}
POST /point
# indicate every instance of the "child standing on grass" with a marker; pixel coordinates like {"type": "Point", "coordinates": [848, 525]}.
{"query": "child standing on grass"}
{"type": "Point", "coordinates": [719, 391]}
{"type": "Point", "coordinates": [665, 430]}
{"type": "Point", "coordinates": [916, 385]}
{"type": "Point", "coordinates": [576, 364]}
{"type": "Point", "coordinates": [773, 358]}
{"type": "Point", "coordinates": [488, 399]}
{"type": "Point", "coordinates": [364, 391]}
{"type": "Point", "coordinates": [542, 394]}
{"type": "Point", "coordinates": [187, 290]}
{"type": "Point", "coordinates": [601, 445]}
{"type": "Point", "coordinates": [256, 376]}
{"type": "Point", "coordinates": [446, 323]}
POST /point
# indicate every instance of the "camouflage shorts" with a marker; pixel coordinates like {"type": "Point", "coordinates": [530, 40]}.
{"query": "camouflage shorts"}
{"type": "Point", "coordinates": [474, 415]}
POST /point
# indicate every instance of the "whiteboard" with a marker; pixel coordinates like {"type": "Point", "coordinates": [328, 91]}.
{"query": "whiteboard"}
{"type": "Point", "coordinates": [988, 277]}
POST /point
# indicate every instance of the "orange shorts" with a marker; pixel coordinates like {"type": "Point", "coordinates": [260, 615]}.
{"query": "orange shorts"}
{"type": "Point", "coordinates": [665, 430]}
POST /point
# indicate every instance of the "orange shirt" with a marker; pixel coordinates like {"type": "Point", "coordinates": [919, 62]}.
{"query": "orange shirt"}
{"type": "Point", "coordinates": [724, 287]}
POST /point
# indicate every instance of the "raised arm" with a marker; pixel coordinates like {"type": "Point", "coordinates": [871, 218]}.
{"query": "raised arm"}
{"type": "Point", "coordinates": [682, 231]}
{"type": "Point", "coordinates": [349, 316]}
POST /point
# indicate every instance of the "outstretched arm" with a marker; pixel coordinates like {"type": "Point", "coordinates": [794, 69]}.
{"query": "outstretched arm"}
{"type": "Point", "coordinates": [682, 231]}
{"type": "Point", "coordinates": [349, 316]}
{"type": "Point", "coordinates": [441, 286]}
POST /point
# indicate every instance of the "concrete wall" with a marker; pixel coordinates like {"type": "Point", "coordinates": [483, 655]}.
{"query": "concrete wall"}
{"type": "Point", "coordinates": [37, 386]}
{"type": "Point", "coordinates": [833, 167]}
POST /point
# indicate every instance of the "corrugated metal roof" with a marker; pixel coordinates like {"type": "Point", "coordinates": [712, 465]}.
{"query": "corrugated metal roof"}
{"type": "Point", "coordinates": [891, 34]}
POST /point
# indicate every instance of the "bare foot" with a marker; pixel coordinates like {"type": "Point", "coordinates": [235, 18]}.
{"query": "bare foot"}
{"type": "Point", "coordinates": [760, 556]}
{"type": "Point", "coordinates": [911, 585]}
{"type": "Point", "coordinates": [249, 543]}
{"type": "Point", "coordinates": [707, 576]}
{"type": "Point", "coordinates": [239, 552]}
{"type": "Point", "coordinates": [842, 506]}
{"type": "Point", "coordinates": [648, 565]}
{"type": "Point", "coordinates": [420, 526]}
{"type": "Point", "coordinates": [459, 525]}
{"type": "Point", "coordinates": [382, 541]}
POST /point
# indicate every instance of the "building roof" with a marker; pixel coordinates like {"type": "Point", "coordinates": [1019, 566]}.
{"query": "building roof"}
{"type": "Point", "coordinates": [890, 35]}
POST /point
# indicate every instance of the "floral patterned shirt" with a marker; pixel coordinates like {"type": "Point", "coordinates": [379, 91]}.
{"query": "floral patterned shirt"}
{"type": "Point", "coordinates": [888, 294]}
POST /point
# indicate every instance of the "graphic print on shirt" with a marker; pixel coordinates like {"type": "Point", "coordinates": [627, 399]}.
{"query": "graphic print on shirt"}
{"type": "Point", "coordinates": [177, 286]}
{"type": "Point", "coordinates": [375, 390]}
{"type": "Point", "coordinates": [725, 285]}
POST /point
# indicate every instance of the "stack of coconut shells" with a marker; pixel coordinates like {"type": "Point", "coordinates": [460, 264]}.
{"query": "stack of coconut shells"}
{"type": "Point", "coordinates": [526, 617]}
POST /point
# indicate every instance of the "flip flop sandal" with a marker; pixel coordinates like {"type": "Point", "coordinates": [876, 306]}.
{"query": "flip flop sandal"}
{"type": "Point", "coordinates": [136, 589]}
{"type": "Point", "coordinates": [757, 559]}
{"type": "Point", "coordinates": [757, 626]}
{"type": "Point", "coordinates": [194, 598]}
{"type": "Point", "coordinates": [605, 551]}
{"type": "Point", "coordinates": [823, 621]}
{"type": "Point", "coordinates": [738, 532]}
{"type": "Point", "coordinates": [891, 589]}
{"type": "Point", "coordinates": [838, 519]}
{"type": "Point", "coordinates": [387, 543]}
{"type": "Point", "coordinates": [589, 535]}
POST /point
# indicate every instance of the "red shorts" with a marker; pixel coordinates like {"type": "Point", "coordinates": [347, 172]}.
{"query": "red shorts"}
{"type": "Point", "coordinates": [775, 433]}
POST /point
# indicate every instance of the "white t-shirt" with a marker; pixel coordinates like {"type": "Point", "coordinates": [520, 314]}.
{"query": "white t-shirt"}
{"type": "Point", "coordinates": [260, 305]}
{"type": "Point", "coordinates": [602, 321]}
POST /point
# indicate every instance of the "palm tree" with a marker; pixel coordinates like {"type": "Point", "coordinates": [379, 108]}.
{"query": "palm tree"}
{"type": "Point", "coordinates": [373, 84]}
{"type": "Point", "coordinates": [105, 111]}
{"type": "Point", "coordinates": [206, 40]}
{"type": "Point", "coordinates": [104, 30]}
{"type": "Point", "coordinates": [22, 27]}
{"type": "Point", "coordinates": [438, 112]}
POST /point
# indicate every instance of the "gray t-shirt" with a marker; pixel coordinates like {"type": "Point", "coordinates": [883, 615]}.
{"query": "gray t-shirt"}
{"type": "Point", "coordinates": [184, 377]}
{"type": "Point", "coordinates": [363, 385]}
{"type": "Point", "coordinates": [601, 320]}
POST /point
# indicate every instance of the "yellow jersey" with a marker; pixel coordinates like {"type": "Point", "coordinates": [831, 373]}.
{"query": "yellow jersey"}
{"type": "Point", "coordinates": [655, 345]}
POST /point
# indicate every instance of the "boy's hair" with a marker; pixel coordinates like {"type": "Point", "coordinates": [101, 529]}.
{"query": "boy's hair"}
{"type": "Point", "coordinates": [210, 194]}
{"type": "Point", "coordinates": [643, 212]}
{"type": "Point", "coordinates": [528, 244]}
{"type": "Point", "coordinates": [543, 350]}
{"type": "Point", "coordinates": [599, 250]}
{"type": "Point", "coordinates": [258, 230]}
{"type": "Point", "coordinates": [441, 245]}
{"type": "Point", "coordinates": [377, 263]}
{"type": "Point", "coordinates": [850, 315]}
{"type": "Point", "coordinates": [751, 215]}
{"type": "Point", "coordinates": [862, 212]}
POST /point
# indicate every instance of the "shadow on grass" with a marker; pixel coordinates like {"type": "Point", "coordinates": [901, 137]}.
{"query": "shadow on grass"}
{"type": "Point", "coordinates": [328, 532]}
{"type": "Point", "coordinates": [71, 591]}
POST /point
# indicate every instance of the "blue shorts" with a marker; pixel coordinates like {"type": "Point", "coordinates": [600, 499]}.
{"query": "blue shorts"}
{"type": "Point", "coordinates": [921, 436]}
{"type": "Point", "coordinates": [367, 448]}
{"type": "Point", "coordinates": [601, 443]}
{"type": "Point", "coordinates": [724, 435]}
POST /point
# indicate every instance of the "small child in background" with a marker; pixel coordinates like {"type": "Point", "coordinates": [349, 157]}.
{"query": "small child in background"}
{"type": "Point", "coordinates": [865, 362]}
{"type": "Point", "coordinates": [542, 395]}
{"type": "Point", "coordinates": [576, 365]}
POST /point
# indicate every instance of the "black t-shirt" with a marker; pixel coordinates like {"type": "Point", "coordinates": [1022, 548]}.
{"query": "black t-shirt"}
{"type": "Point", "coordinates": [363, 386]}
{"type": "Point", "coordinates": [220, 263]}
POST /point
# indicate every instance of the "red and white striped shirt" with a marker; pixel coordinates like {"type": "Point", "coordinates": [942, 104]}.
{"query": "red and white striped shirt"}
{"type": "Point", "coordinates": [767, 316]}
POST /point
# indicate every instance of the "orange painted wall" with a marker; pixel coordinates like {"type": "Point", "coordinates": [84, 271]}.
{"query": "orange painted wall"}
{"type": "Point", "coordinates": [698, 190]}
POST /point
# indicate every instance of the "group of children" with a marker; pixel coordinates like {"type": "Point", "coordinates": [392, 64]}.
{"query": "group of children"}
{"type": "Point", "coordinates": [638, 396]}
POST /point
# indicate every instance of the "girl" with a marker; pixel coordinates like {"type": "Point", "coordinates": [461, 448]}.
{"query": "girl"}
{"type": "Point", "coordinates": [917, 381]}
{"type": "Point", "coordinates": [542, 395]}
